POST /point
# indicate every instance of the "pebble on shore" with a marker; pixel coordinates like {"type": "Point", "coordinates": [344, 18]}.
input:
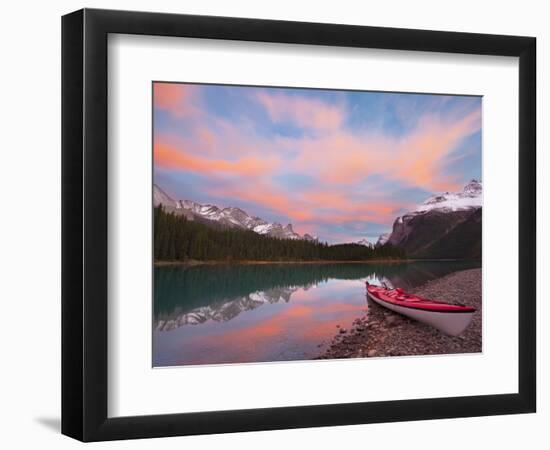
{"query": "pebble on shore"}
{"type": "Point", "coordinates": [384, 333]}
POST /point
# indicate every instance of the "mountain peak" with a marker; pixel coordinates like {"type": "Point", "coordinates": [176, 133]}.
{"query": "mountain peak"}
{"type": "Point", "coordinates": [231, 216]}
{"type": "Point", "coordinates": [309, 237]}
{"type": "Point", "coordinates": [161, 197]}
{"type": "Point", "coordinates": [364, 242]}
{"type": "Point", "coordinates": [473, 188]}
{"type": "Point", "coordinates": [469, 197]}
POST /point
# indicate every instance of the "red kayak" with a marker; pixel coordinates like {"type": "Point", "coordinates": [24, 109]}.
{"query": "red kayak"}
{"type": "Point", "coordinates": [451, 319]}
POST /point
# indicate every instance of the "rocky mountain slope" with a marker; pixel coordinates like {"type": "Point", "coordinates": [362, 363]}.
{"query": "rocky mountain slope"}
{"type": "Point", "coordinates": [444, 226]}
{"type": "Point", "coordinates": [382, 239]}
{"type": "Point", "coordinates": [225, 217]}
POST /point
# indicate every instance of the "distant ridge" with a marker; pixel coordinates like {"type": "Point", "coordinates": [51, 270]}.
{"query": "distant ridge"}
{"type": "Point", "coordinates": [231, 217]}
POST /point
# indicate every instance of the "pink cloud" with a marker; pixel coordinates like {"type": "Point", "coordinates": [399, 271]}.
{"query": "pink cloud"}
{"type": "Point", "coordinates": [266, 195]}
{"type": "Point", "coordinates": [169, 157]}
{"type": "Point", "coordinates": [340, 158]}
{"type": "Point", "coordinates": [344, 158]}
{"type": "Point", "coordinates": [175, 98]}
{"type": "Point", "coordinates": [422, 154]}
{"type": "Point", "coordinates": [336, 155]}
{"type": "Point", "coordinates": [341, 207]}
{"type": "Point", "coordinates": [302, 112]}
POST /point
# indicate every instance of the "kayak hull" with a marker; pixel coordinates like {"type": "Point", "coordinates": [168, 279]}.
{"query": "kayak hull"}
{"type": "Point", "coordinates": [451, 323]}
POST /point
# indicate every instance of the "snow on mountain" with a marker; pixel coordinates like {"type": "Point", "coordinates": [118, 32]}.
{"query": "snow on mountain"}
{"type": "Point", "coordinates": [365, 242]}
{"type": "Point", "coordinates": [309, 237]}
{"type": "Point", "coordinates": [383, 239]}
{"type": "Point", "coordinates": [161, 197]}
{"type": "Point", "coordinates": [230, 216]}
{"type": "Point", "coordinates": [226, 310]}
{"type": "Point", "coordinates": [469, 198]}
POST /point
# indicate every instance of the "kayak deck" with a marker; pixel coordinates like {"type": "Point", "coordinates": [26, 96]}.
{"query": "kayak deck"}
{"type": "Point", "coordinates": [398, 297]}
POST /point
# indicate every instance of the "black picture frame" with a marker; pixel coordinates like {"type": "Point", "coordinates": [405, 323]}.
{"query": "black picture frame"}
{"type": "Point", "coordinates": [84, 224]}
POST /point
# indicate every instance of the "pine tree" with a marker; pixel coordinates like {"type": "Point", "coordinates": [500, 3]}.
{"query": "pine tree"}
{"type": "Point", "coordinates": [176, 238]}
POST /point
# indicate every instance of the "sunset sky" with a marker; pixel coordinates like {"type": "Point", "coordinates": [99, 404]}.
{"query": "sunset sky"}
{"type": "Point", "coordinates": [340, 165]}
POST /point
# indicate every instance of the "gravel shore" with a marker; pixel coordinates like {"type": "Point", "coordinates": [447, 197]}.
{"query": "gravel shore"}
{"type": "Point", "coordinates": [382, 332]}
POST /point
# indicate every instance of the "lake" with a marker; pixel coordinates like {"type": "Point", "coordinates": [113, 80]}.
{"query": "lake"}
{"type": "Point", "coordinates": [217, 314]}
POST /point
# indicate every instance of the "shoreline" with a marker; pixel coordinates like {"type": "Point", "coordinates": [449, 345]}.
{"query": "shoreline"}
{"type": "Point", "coordinates": [320, 261]}
{"type": "Point", "coordinates": [253, 262]}
{"type": "Point", "coordinates": [381, 332]}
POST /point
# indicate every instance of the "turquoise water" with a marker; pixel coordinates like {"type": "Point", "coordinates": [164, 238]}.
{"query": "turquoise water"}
{"type": "Point", "coordinates": [269, 312]}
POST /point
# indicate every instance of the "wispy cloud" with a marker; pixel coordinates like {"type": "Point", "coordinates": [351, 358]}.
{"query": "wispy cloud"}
{"type": "Point", "coordinates": [170, 157]}
{"type": "Point", "coordinates": [177, 99]}
{"type": "Point", "coordinates": [302, 112]}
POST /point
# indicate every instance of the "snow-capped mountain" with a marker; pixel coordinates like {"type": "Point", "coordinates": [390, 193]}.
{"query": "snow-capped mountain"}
{"type": "Point", "coordinates": [226, 310]}
{"type": "Point", "coordinates": [469, 198]}
{"type": "Point", "coordinates": [162, 198]}
{"type": "Point", "coordinates": [229, 217]}
{"type": "Point", "coordinates": [447, 225]}
{"type": "Point", "coordinates": [364, 242]}
{"type": "Point", "coordinates": [309, 237]}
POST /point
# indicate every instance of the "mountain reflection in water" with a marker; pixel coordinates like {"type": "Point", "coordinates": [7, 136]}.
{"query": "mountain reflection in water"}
{"type": "Point", "coordinates": [214, 314]}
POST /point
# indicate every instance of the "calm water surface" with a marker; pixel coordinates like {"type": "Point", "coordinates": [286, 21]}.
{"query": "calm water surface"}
{"type": "Point", "coordinates": [272, 312]}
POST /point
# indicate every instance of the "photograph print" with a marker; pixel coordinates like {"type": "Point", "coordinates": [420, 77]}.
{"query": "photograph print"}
{"type": "Point", "coordinates": [298, 224]}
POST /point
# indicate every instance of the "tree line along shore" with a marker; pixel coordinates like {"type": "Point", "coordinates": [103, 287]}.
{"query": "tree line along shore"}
{"type": "Point", "coordinates": [177, 239]}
